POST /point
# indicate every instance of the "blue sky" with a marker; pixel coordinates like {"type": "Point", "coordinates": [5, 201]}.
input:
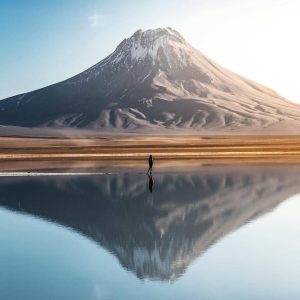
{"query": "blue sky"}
{"type": "Point", "coordinates": [43, 42]}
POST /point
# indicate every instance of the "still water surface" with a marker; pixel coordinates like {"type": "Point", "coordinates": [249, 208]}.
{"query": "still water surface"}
{"type": "Point", "coordinates": [209, 233]}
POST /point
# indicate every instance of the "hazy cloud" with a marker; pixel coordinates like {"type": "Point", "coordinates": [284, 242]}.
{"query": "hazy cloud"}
{"type": "Point", "coordinates": [96, 20]}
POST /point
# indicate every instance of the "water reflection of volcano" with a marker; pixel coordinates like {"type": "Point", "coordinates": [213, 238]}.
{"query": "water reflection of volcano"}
{"type": "Point", "coordinates": [155, 235]}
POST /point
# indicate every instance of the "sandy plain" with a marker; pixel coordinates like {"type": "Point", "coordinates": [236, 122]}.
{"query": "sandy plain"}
{"type": "Point", "coordinates": [109, 151]}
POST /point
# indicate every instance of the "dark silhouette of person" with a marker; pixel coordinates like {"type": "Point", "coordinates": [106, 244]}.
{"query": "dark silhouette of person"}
{"type": "Point", "coordinates": [151, 182]}
{"type": "Point", "coordinates": [150, 161]}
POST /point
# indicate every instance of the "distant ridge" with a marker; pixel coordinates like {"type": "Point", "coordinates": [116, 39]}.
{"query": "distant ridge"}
{"type": "Point", "coordinates": [154, 81]}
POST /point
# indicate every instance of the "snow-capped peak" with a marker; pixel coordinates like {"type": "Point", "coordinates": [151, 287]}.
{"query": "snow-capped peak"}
{"type": "Point", "coordinates": [148, 43]}
{"type": "Point", "coordinates": [151, 34]}
{"type": "Point", "coordinates": [162, 45]}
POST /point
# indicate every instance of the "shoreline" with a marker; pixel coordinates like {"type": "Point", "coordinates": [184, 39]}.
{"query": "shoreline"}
{"type": "Point", "coordinates": [108, 167]}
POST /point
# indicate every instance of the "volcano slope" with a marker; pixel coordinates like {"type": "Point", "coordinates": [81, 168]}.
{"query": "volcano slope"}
{"type": "Point", "coordinates": [154, 81]}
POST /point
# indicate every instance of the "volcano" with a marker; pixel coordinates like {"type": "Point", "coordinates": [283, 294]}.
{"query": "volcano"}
{"type": "Point", "coordinates": [154, 81]}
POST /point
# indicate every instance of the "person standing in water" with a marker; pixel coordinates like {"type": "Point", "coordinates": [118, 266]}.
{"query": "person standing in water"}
{"type": "Point", "coordinates": [150, 161]}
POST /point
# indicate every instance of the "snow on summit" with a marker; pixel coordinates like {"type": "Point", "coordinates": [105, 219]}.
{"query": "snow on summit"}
{"type": "Point", "coordinates": [155, 45]}
{"type": "Point", "coordinates": [150, 42]}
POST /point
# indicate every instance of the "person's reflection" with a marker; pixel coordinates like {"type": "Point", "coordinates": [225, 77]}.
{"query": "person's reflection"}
{"type": "Point", "coordinates": [151, 182]}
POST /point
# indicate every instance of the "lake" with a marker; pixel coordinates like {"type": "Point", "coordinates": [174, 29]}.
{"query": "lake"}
{"type": "Point", "coordinates": [210, 232]}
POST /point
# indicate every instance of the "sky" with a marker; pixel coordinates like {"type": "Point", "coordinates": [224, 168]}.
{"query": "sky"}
{"type": "Point", "coordinates": [44, 42]}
